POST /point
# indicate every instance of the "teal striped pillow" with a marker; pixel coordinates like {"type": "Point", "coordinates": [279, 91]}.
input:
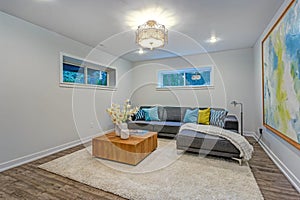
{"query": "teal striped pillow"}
{"type": "Point", "coordinates": [140, 115]}
{"type": "Point", "coordinates": [217, 117]}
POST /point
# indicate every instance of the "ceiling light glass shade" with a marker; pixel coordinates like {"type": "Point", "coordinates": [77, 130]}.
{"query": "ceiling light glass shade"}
{"type": "Point", "coordinates": [151, 35]}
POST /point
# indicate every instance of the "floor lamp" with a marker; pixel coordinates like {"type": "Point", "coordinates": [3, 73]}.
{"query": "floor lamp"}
{"type": "Point", "coordinates": [235, 103]}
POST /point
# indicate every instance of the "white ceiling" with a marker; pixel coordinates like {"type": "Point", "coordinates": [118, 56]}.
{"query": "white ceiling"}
{"type": "Point", "coordinates": [238, 23]}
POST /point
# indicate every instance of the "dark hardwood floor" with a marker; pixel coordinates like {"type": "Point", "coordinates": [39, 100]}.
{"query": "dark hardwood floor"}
{"type": "Point", "coordinates": [271, 181]}
{"type": "Point", "coordinates": [29, 182]}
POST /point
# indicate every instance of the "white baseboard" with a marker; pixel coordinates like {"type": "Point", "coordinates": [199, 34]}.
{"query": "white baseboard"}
{"type": "Point", "coordinates": [29, 158]}
{"type": "Point", "coordinates": [283, 168]}
{"type": "Point", "coordinates": [249, 133]}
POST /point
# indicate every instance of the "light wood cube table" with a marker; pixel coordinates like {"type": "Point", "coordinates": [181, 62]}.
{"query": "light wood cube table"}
{"type": "Point", "coordinates": [130, 151]}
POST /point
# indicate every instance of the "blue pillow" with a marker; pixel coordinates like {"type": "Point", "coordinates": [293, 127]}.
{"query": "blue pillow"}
{"type": "Point", "coordinates": [140, 115]}
{"type": "Point", "coordinates": [151, 114]}
{"type": "Point", "coordinates": [191, 116]}
{"type": "Point", "coordinates": [217, 117]}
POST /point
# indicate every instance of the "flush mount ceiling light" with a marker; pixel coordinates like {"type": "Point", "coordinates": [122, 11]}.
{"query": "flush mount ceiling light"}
{"type": "Point", "coordinates": [151, 35]}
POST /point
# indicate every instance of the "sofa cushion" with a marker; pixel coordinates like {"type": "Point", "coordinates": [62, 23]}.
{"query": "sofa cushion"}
{"type": "Point", "coordinates": [166, 127]}
{"type": "Point", "coordinates": [151, 114]}
{"type": "Point", "coordinates": [217, 117]}
{"type": "Point", "coordinates": [175, 114]}
{"type": "Point", "coordinates": [194, 139]}
{"type": "Point", "coordinates": [231, 123]}
{"type": "Point", "coordinates": [203, 117]}
{"type": "Point", "coordinates": [172, 114]}
{"type": "Point", "coordinates": [191, 116]}
{"type": "Point", "coordinates": [142, 125]}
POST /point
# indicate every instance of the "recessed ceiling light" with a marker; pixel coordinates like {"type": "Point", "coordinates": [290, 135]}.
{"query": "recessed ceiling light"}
{"type": "Point", "coordinates": [141, 51]}
{"type": "Point", "coordinates": [213, 39]}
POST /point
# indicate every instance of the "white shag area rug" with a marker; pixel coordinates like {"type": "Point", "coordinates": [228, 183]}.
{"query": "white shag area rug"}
{"type": "Point", "coordinates": [165, 174]}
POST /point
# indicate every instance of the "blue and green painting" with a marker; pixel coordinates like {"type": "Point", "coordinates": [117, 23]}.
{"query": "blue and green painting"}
{"type": "Point", "coordinates": [282, 75]}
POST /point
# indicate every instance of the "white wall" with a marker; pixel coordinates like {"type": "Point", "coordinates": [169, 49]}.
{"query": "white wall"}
{"type": "Point", "coordinates": [233, 80]}
{"type": "Point", "coordinates": [286, 156]}
{"type": "Point", "coordinates": [36, 114]}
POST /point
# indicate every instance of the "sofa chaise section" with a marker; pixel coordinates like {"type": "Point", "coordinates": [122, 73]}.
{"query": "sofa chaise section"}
{"type": "Point", "coordinates": [201, 143]}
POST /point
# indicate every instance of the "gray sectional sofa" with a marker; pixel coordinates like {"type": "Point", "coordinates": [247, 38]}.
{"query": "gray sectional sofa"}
{"type": "Point", "coordinates": [170, 120]}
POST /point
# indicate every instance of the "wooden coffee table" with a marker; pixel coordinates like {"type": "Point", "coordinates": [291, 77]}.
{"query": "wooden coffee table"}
{"type": "Point", "coordinates": [130, 151]}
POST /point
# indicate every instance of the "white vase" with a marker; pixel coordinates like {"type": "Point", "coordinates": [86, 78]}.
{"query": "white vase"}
{"type": "Point", "coordinates": [121, 127]}
{"type": "Point", "coordinates": [124, 134]}
{"type": "Point", "coordinates": [117, 130]}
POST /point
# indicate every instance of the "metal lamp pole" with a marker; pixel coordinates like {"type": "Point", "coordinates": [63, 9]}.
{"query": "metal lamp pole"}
{"type": "Point", "coordinates": [235, 104]}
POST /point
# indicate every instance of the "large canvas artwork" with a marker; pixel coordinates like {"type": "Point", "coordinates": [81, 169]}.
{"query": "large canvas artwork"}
{"type": "Point", "coordinates": [281, 76]}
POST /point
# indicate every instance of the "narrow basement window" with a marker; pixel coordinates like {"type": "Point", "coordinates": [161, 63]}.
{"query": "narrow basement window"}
{"type": "Point", "coordinates": [81, 73]}
{"type": "Point", "coordinates": [201, 77]}
{"type": "Point", "coordinates": [73, 73]}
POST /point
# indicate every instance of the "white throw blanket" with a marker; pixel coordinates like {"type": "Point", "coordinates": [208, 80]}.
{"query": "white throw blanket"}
{"type": "Point", "coordinates": [237, 140]}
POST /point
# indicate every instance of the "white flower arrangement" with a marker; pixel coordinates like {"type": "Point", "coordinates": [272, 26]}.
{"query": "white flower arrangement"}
{"type": "Point", "coordinates": [120, 115]}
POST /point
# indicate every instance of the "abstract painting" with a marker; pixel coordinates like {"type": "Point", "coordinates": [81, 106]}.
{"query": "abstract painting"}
{"type": "Point", "coordinates": [281, 76]}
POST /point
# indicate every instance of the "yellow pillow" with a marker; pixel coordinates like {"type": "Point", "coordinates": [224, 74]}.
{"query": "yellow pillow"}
{"type": "Point", "coordinates": [203, 116]}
